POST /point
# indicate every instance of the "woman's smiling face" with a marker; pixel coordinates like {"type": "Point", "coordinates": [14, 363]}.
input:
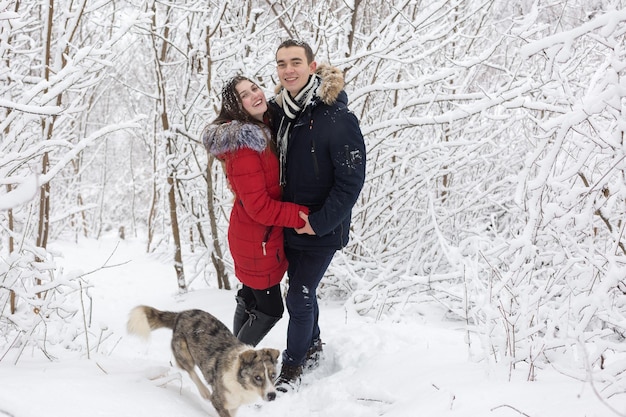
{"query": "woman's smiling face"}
{"type": "Point", "coordinates": [252, 99]}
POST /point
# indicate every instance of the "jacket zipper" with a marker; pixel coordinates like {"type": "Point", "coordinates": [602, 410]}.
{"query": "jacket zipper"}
{"type": "Point", "coordinates": [316, 167]}
{"type": "Point", "coordinates": [266, 238]}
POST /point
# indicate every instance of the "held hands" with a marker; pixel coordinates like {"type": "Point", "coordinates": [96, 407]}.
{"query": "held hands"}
{"type": "Point", "coordinates": [307, 229]}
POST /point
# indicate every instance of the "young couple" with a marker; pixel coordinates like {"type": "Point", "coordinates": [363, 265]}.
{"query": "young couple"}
{"type": "Point", "coordinates": [296, 165]}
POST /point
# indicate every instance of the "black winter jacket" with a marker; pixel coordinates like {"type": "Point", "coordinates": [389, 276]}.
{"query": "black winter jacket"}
{"type": "Point", "coordinates": [325, 168]}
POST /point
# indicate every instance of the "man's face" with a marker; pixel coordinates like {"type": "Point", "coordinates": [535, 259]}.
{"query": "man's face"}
{"type": "Point", "coordinates": [293, 68]}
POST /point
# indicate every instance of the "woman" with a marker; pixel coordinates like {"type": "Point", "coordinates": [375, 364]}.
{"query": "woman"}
{"type": "Point", "coordinates": [241, 139]}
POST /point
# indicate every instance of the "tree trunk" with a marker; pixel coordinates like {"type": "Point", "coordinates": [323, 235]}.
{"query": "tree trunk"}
{"type": "Point", "coordinates": [154, 198]}
{"type": "Point", "coordinates": [13, 300]}
{"type": "Point", "coordinates": [47, 126]}
{"type": "Point", "coordinates": [169, 148]}
{"type": "Point", "coordinates": [217, 256]}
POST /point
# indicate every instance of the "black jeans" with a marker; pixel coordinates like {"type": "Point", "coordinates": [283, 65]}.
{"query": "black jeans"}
{"type": "Point", "coordinates": [306, 269]}
{"type": "Point", "coordinates": [269, 301]}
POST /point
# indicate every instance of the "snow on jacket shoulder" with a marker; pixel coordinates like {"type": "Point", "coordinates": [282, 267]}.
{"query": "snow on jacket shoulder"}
{"type": "Point", "coordinates": [255, 232]}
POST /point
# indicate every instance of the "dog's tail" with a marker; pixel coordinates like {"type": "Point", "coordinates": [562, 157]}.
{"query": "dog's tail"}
{"type": "Point", "coordinates": [143, 319]}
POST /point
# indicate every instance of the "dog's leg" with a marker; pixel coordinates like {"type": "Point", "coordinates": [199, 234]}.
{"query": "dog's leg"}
{"type": "Point", "coordinates": [185, 361]}
{"type": "Point", "coordinates": [204, 391]}
{"type": "Point", "coordinates": [217, 401]}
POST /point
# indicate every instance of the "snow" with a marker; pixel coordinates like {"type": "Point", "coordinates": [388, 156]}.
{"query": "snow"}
{"type": "Point", "coordinates": [20, 195]}
{"type": "Point", "coordinates": [605, 22]}
{"type": "Point", "coordinates": [413, 366]}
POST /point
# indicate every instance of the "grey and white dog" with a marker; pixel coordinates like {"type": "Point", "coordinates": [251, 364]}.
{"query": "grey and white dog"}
{"type": "Point", "coordinates": [237, 373]}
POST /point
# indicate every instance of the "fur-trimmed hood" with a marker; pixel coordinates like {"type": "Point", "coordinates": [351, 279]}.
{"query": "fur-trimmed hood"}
{"type": "Point", "coordinates": [332, 84]}
{"type": "Point", "coordinates": [229, 137]}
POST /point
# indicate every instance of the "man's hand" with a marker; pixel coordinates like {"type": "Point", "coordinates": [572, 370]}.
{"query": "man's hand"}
{"type": "Point", "coordinates": [307, 229]}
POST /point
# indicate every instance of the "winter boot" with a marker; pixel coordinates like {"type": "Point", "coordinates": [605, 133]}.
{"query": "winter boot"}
{"type": "Point", "coordinates": [313, 355]}
{"type": "Point", "coordinates": [289, 378]}
{"type": "Point", "coordinates": [256, 327]}
{"type": "Point", "coordinates": [241, 314]}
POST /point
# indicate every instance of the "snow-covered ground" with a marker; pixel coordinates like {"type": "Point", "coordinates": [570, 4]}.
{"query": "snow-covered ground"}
{"type": "Point", "coordinates": [420, 366]}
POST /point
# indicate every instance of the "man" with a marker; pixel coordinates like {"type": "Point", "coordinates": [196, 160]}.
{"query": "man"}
{"type": "Point", "coordinates": [322, 161]}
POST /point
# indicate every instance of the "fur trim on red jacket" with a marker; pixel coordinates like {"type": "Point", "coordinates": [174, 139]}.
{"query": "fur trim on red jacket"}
{"type": "Point", "coordinates": [235, 135]}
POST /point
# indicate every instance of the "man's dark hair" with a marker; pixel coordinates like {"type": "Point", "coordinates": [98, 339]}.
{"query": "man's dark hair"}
{"type": "Point", "coordinates": [310, 56]}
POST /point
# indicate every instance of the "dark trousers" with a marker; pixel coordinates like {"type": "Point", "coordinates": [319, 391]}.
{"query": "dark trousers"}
{"type": "Point", "coordinates": [268, 301]}
{"type": "Point", "coordinates": [306, 269]}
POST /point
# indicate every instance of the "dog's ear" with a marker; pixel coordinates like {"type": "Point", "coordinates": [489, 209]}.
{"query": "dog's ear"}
{"type": "Point", "coordinates": [248, 356]}
{"type": "Point", "coordinates": [272, 353]}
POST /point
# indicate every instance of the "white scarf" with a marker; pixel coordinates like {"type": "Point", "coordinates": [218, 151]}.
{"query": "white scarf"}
{"type": "Point", "coordinates": [292, 108]}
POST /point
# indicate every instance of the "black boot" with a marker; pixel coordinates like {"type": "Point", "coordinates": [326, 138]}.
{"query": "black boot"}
{"type": "Point", "coordinates": [256, 327]}
{"type": "Point", "coordinates": [241, 314]}
{"type": "Point", "coordinates": [289, 378]}
{"type": "Point", "coordinates": [313, 355]}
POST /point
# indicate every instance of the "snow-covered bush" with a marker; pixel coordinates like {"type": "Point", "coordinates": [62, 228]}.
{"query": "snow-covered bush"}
{"type": "Point", "coordinates": [42, 308]}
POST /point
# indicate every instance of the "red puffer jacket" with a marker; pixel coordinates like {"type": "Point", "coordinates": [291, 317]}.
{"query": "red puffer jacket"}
{"type": "Point", "coordinates": [255, 233]}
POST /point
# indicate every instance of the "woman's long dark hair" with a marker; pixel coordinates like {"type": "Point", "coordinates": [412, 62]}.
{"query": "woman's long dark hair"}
{"type": "Point", "coordinates": [232, 108]}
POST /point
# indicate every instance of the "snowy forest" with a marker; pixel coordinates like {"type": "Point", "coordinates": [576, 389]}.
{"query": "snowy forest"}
{"type": "Point", "coordinates": [496, 166]}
